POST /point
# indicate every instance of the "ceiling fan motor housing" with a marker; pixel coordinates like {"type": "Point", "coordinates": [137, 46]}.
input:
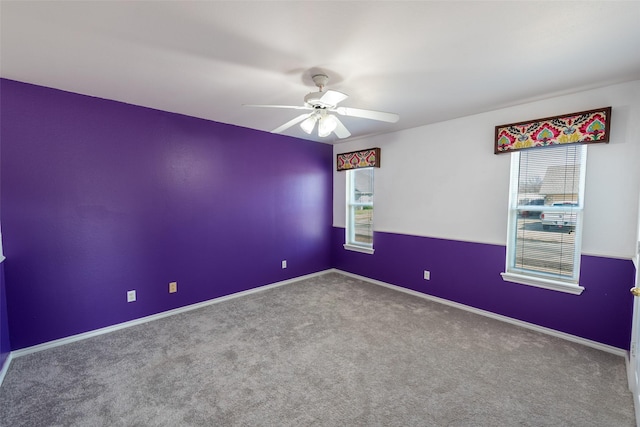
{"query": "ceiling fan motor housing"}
{"type": "Point", "coordinates": [314, 99]}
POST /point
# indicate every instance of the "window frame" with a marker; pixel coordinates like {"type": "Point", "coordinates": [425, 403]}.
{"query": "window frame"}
{"type": "Point", "coordinates": [351, 205]}
{"type": "Point", "coordinates": [539, 278]}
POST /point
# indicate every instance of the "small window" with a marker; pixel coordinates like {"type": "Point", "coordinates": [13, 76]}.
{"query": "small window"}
{"type": "Point", "coordinates": [359, 230]}
{"type": "Point", "coordinates": [545, 217]}
{"type": "Point", "coordinates": [1, 253]}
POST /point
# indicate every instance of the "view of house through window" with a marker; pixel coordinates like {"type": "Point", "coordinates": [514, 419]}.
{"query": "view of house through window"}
{"type": "Point", "coordinates": [545, 216]}
{"type": "Point", "coordinates": [359, 230]}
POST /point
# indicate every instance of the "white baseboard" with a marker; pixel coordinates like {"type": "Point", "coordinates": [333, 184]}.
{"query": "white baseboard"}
{"type": "Point", "coordinates": [5, 368]}
{"type": "Point", "coordinates": [106, 330]}
{"type": "Point", "coordinates": [589, 343]}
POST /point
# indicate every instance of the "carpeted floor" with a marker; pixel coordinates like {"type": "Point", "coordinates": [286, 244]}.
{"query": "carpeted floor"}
{"type": "Point", "coordinates": [327, 351]}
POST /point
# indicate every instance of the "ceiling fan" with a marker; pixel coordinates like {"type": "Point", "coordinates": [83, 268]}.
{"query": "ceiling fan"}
{"type": "Point", "coordinates": [322, 104]}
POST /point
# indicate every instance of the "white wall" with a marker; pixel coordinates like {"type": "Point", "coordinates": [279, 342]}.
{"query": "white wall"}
{"type": "Point", "coordinates": [443, 180]}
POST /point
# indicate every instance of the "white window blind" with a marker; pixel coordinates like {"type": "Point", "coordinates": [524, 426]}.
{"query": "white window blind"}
{"type": "Point", "coordinates": [545, 213]}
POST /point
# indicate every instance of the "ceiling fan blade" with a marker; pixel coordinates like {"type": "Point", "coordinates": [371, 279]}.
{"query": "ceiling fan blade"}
{"type": "Point", "coordinates": [367, 114]}
{"type": "Point", "coordinates": [291, 122]}
{"type": "Point", "coordinates": [290, 107]}
{"type": "Point", "coordinates": [340, 130]}
{"type": "Point", "coordinates": [333, 97]}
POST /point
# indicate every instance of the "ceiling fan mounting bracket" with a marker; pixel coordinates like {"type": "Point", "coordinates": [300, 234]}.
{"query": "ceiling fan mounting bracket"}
{"type": "Point", "coordinates": [320, 80]}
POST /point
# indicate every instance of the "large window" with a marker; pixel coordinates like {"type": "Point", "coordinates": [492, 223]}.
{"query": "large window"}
{"type": "Point", "coordinates": [545, 217]}
{"type": "Point", "coordinates": [359, 230]}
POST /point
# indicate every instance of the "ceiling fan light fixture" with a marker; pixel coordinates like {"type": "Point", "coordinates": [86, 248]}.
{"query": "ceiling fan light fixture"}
{"type": "Point", "coordinates": [309, 123]}
{"type": "Point", "coordinates": [326, 125]}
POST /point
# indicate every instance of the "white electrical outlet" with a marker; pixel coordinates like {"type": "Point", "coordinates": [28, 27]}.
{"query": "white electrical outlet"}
{"type": "Point", "coordinates": [427, 275]}
{"type": "Point", "coordinates": [131, 296]}
{"type": "Point", "coordinates": [173, 287]}
{"type": "Point", "coordinates": [284, 263]}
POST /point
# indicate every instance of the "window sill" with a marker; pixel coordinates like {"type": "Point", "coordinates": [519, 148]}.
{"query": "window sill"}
{"type": "Point", "coordinates": [554, 285]}
{"type": "Point", "coordinates": [362, 249]}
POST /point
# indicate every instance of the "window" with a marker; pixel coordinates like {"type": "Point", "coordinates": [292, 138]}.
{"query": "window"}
{"type": "Point", "coordinates": [1, 253]}
{"type": "Point", "coordinates": [545, 217]}
{"type": "Point", "coordinates": [359, 230]}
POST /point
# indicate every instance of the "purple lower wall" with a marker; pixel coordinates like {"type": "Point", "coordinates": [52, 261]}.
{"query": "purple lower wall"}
{"type": "Point", "coordinates": [100, 197]}
{"type": "Point", "coordinates": [469, 273]}
{"type": "Point", "coordinates": [5, 345]}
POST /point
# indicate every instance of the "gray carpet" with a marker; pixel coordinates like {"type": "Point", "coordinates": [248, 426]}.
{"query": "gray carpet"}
{"type": "Point", "coordinates": [327, 351]}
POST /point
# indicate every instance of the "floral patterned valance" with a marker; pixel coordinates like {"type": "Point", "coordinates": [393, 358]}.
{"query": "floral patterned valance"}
{"type": "Point", "coordinates": [584, 127]}
{"type": "Point", "coordinates": [359, 159]}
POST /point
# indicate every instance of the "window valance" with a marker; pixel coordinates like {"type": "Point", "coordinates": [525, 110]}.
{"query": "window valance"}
{"type": "Point", "coordinates": [584, 127]}
{"type": "Point", "coordinates": [358, 159]}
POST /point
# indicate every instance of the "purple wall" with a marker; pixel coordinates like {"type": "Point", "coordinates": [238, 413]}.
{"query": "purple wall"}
{"type": "Point", "coordinates": [5, 345]}
{"type": "Point", "coordinates": [469, 273]}
{"type": "Point", "coordinates": [100, 197]}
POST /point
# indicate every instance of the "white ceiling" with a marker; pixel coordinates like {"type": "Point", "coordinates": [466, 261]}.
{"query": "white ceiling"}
{"type": "Point", "coordinates": [427, 61]}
